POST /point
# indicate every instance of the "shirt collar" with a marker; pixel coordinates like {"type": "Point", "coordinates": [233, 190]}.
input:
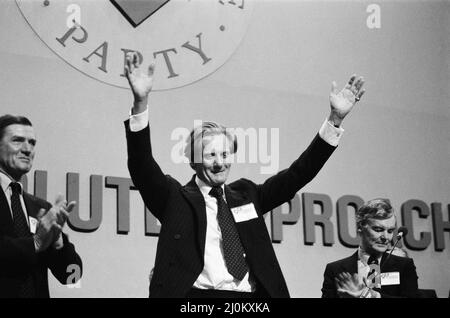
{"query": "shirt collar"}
{"type": "Point", "coordinates": [204, 188]}
{"type": "Point", "coordinates": [363, 256]}
{"type": "Point", "coordinates": [6, 180]}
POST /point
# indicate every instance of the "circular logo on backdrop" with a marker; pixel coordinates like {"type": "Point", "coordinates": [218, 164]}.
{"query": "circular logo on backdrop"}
{"type": "Point", "coordinates": [188, 39]}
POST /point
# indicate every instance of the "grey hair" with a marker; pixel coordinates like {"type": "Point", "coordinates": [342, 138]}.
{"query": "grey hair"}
{"type": "Point", "coordinates": [379, 209]}
{"type": "Point", "coordinates": [7, 120]}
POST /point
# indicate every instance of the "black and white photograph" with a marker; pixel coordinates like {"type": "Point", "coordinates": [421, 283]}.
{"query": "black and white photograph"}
{"type": "Point", "coordinates": [240, 149]}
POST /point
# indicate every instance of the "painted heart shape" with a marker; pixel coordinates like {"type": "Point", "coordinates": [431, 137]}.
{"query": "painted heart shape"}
{"type": "Point", "coordinates": [137, 11]}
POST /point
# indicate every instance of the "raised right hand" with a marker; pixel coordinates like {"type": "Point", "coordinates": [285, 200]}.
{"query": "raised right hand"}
{"type": "Point", "coordinates": [141, 82]}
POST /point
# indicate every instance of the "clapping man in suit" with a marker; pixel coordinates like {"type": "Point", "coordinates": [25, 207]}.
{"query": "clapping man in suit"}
{"type": "Point", "coordinates": [371, 272]}
{"type": "Point", "coordinates": [31, 240]}
{"type": "Point", "coordinates": [213, 240]}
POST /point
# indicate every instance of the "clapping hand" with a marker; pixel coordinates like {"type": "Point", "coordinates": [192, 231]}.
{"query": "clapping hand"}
{"type": "Point", "coordinates": [349, 286]}
{"type": "Point", "coordinates": [62, 210]}
{"type": "Point", "coordinates": [51, 223]}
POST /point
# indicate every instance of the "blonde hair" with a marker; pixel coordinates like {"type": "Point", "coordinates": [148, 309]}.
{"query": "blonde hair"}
{"type": "Point", "coordinates": [208, 128]}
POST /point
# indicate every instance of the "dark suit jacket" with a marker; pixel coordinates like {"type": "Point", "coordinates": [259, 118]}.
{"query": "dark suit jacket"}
{"type": "Point", "coordinates": [405, 266]}
{"type": "Point", "coordinates": [182, 213]}
{"type": "Point", "coordinates": [18, 256]}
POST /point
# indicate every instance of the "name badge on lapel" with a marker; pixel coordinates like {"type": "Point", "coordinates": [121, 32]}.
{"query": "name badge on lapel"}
{"type": "Point", "coordinates": [244, 212]}
{"type": "Point", "coordinates": [33, 224]}
{"type": "Point", "coordinates": [390, 278]}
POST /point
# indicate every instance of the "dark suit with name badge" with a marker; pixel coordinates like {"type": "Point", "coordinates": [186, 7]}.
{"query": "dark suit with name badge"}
{"type": "Point", "coordinates": [19, 258]}
{"type": "Point", "coordinates": [182, 214]}
{"type": "Point", "coordinates": [406, 286]}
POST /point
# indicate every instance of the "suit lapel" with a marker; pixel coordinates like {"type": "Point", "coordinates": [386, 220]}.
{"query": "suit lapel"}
{"type": "Point", "coordinates": [195, 198]}
{"type": "Point", "coordinates": [30, 204]}
{"type": "Point", "coordinates": [234, 198]}
{"type": "Point", "coordinates": [6, 222]}
{"type": "Point", "coordinates": [350, 264]}
{"type": "Point", "coordinates": [389, 265]}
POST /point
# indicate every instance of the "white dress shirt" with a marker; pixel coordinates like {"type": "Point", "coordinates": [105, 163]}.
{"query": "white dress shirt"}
{"type": "Point", "coordinates": [363, 266]}
{"type": "Point", "coordinates": [215, 274]}
{"type": "Point", "coordinates": [363, 270]}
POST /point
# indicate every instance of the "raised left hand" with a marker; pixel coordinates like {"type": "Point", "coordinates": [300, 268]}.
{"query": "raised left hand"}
{"type": "Point", "coordinates": [342, 102]}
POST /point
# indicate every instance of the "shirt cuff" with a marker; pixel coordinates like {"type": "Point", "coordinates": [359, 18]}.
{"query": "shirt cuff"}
{"type": "Point", "coordinates": [375, 294]}
{"type": "Point", "coordinates": [365, 293]}
{"type": "Point", "coordinates": [330, 133]}
{"type": "Point", "coordinates": [139, 121]}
